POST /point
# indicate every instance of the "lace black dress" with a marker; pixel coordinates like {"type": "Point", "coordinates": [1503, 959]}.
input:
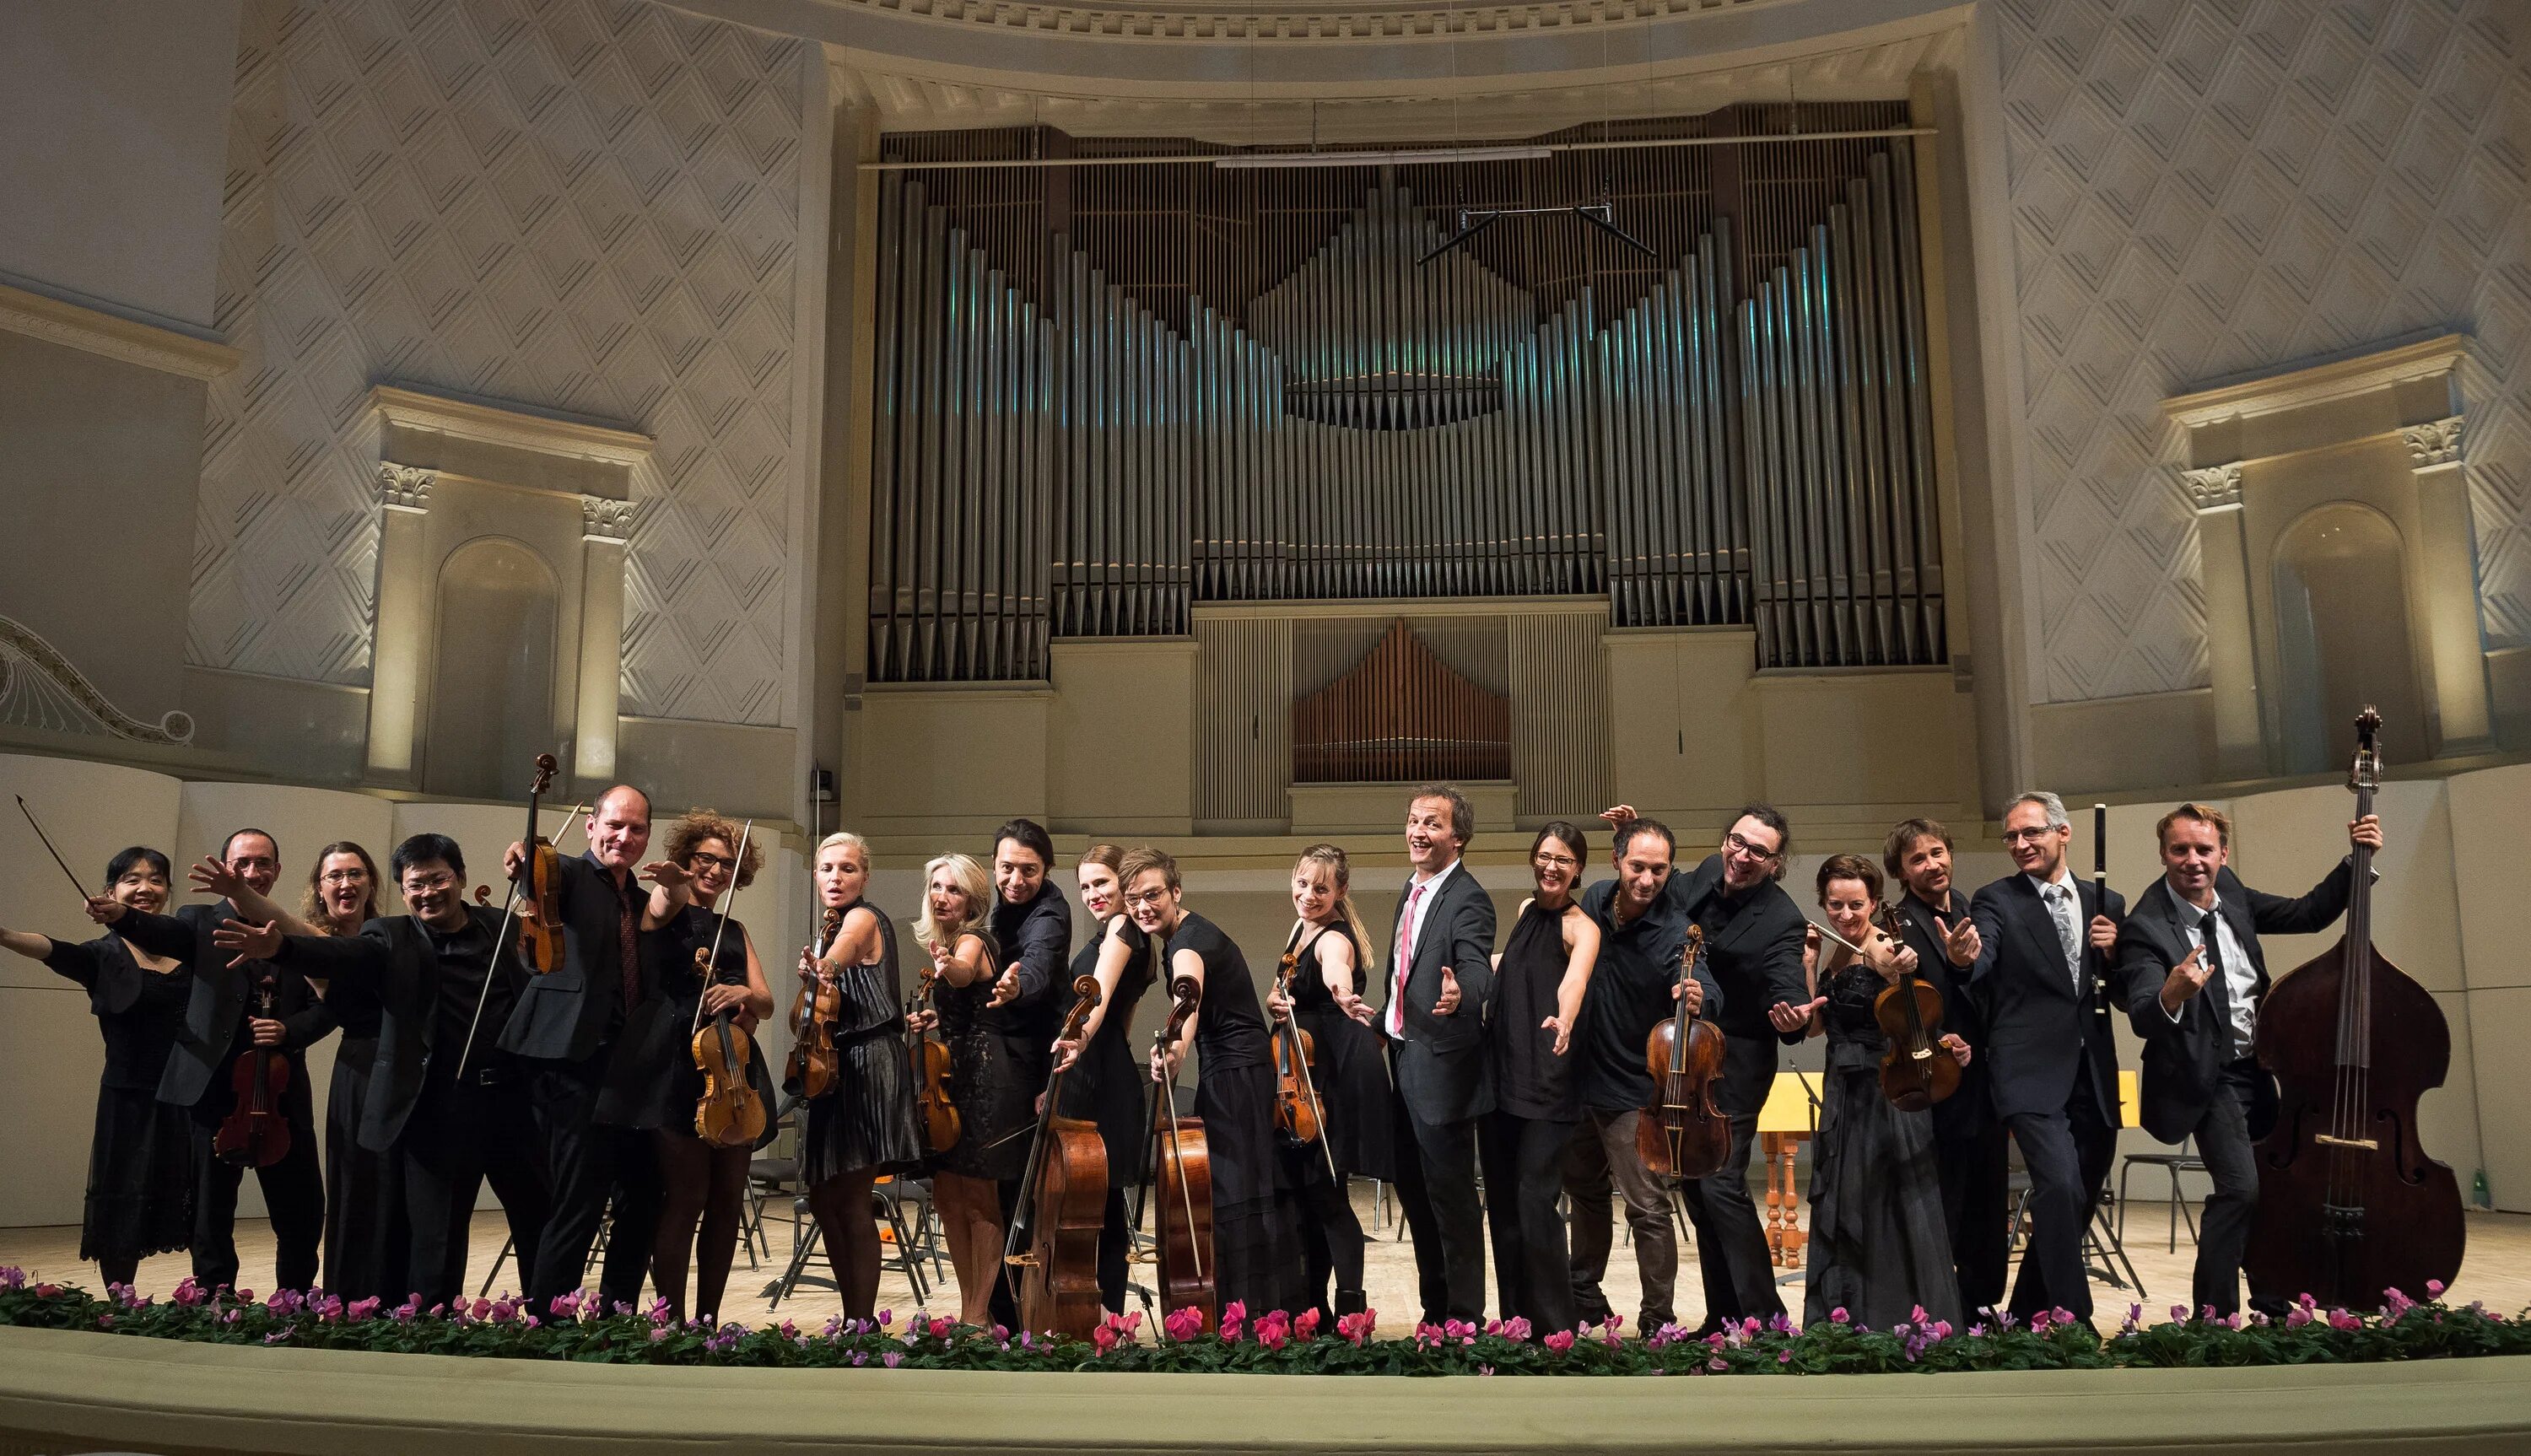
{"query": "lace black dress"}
{"type": "Point", "coordinates": [867, 1120]}
{"type": "Point", "coordinates": [996, 1104]}
{"type": "Point", "coordinates": [139, 1161]}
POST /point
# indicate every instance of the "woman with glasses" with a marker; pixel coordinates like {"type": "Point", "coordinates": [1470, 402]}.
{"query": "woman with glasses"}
{"type": "Point", "coordinates": [1539, 979]}
{"type": "Point", "coordinates": [654, 1084]}
{"type": "Point", "coordinates": [1878, 1245]}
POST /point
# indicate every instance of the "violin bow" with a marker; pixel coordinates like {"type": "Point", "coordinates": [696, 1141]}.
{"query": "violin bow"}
{"type": "Point", "coordinates": [49, 847]}
{"type": "Point", "coordinates": [711, 965]}
{"type": "Point", "coordinates": [509, 917]}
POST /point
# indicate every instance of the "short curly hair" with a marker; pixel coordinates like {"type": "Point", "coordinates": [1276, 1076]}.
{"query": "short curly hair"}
{"type": "Point", "coordinates": [700, 825]}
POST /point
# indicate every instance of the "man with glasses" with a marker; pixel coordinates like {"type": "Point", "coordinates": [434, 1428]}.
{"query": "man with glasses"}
{"type": "Point", "coordinates": [1753, 943]}
{"type": "Point", "coordinates": [444, 1100]}
{"type": "Point", "coordinates": [2050, 1058]}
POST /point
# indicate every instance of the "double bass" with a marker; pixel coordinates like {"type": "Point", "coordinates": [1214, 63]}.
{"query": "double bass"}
{"type": "Point", "coordinates": [1178, 1174]}
{"type": "Point", "coordinates": [1917, 1071]}
{"type": "Point", "coordinates": [812, 1070]}
{"type": "Point", "coordinates": [257, 1132]}
{"type": "Point", "coordinates": [1683, 1132]}
{"type": "Point", "coordinates": [729, 1113]}
{"type": "Point", "coordinates": [1062, 1205]}
{"type": "Point", "coordinates": [2349, 1204]}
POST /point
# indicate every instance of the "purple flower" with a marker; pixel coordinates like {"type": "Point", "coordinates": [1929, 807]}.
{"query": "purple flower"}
{"type": "Point", "coordinates": [1839, 1315]}
{"type": "Point", "coordinates": [1514, 1328]}
{"type": "Point", "coordinates": [187, 1293]}
{"type": "Point", "coordinates": [891, 1360]}
{"type": "Point", "coordinates": [2435, 1288]}
{"type": "Point", "coordinates": [861, 1357]}
{"type": "Point", "coordinates": [1784, 1356]}
{"type": "Point", "coordinates": [14, 1277]}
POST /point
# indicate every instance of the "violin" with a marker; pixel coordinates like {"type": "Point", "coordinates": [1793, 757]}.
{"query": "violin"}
{"type": "Point", "coordinates": [812, 1070]}
{"type": "Point", "coordinates": [934, 1112]}
{"type": "Point", "coordinates": [2349, 1204]}
{"type": "Point", "coordinates": [257, 1132]}
{"type": "Point", "coordinates": [729, 1113]}
{"type": "Point", "coordinates": [1178, 1168]}
{"type": "Point", "coordinates": [540, 885]}
{"type": "Point", "coordinates": [1917, 1071]}
{"type": "Point", "coordinates": [1062, 1205]}
{"type": "Point", "coordinates": [1683, 1132]}
{"type": "Point", "coordinates": [1296, 1094]}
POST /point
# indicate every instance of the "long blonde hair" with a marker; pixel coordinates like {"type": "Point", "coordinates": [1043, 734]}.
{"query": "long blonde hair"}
{"type": "Point", "coordinates": [979, 886]}
{"type": "Point", "coordinates": [1331, 858]}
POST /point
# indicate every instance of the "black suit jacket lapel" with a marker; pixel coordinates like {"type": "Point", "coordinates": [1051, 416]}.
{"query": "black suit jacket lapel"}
{"type": "Point", "coordinates": [2040, 927]}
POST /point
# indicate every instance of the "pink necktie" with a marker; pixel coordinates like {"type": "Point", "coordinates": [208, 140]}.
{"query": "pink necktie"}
{"type": "Point", "coordinates": [1405, 963]}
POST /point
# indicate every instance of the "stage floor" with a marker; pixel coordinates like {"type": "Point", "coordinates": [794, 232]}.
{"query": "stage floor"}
{"type": "Point", "coordinates": [2497, 1270]}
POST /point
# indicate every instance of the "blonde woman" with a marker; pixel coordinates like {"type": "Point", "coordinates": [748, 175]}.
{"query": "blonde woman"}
{"type": "Point", "coordinates": [993, 1100]}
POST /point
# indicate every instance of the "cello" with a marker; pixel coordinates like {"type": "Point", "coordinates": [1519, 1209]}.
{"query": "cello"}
{"type": "Point", "coordinates": [1915, 1072]}
{"type": "Point", "coordinates": [935, 1116]}
{"type": "Point", "coordinates": [1177, 1164]}
{"type": "Point", "coordinates": [1683, 1132]}
{"type": "Point", "coordinates": [812, 1069]}
{"type": "Point", "coordinates": [1062, 1205]}
{"type": "Point", "coordinates": [257, 1132]}
{"type": "Point", "coordinates": [2349, 1204]}
{"type": "Point", "coordinates": [729, 1113]}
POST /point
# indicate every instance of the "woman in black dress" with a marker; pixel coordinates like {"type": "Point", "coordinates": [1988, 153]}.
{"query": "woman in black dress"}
{"type": "Point", "coordinates": [1328, 947]}
{"type": "Point", "coordinates": [1253, 1245]}
{"type": "Point", "coordinates": [996, 1106]}
{"type": "Point", "coordinates": [1102, 1082]}
{"type": "Point", "coordinates": [654, 1084]}
{"type": "Point", "coordinates": [1539, 979]}
{"type": "Point", "coordinates": [139, 1161]}
{"type": "Point", "coordinates": [1878, 1245]}
{"type": "Point", "coordinates": [368, 1238]}
{"type": "Point", "coordinates": [865, 1126]}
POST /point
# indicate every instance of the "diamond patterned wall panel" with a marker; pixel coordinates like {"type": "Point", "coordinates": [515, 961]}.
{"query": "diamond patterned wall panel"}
{"type": "Point", "coordinates": [583, 205]}
{"type": "Point", "coordinates": [2201, 187]}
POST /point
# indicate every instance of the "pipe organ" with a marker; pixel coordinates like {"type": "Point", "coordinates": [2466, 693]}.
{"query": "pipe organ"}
{"type": "Point", "coordinates": [1074, 441]}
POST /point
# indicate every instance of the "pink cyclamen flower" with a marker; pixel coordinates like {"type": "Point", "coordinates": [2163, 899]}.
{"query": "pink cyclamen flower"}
{"type": "Point", "coordinates": [1184, 1324]}
{"type": "Point", "coordinates": [1234, 1320]}
{"type": "Point", "coordinates": [1515, 1329]}
{"type": "Point", "coordinates": [360, 1309]}
{"type": "Point", "coordinates": [1561, 1341]}
{"type": "Point", "coordinates": [1839, 1315]}
{"type": "Point", "coordinates": [1357, 1327]}
{"type": "Point", "coordinates": [2341, 1319]}
{"type": "Point", "coordinates": [1103, 1338]}
{"type": "Point", "coordinates": [2435, 1288]}
{"type": "Point", "coordinates": [188, 1293]}
{"type": "Point", "coordinates": [1307, 1326]}
{"type": "Point", "coordinates": [1274, 1331]}
{"type": "Point", "coordinates": [891, 1360]}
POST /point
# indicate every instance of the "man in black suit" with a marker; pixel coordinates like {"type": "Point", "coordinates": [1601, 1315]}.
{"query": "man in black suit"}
{"type": "Point", "coordinates": [562, 1033]}
{"type": "Point", "coordinates": [2050, 1058]}
{"type": "Point", "coordinates": [1970, 1150]}
{"type": "Point", "coordinates": [1032, 926]}
{"type": "Point", "coordinates": [442, 1100]}
{"type": "Point", "coordinates": [1441, 979]}
{"type": "Point", "coordinates": [2193, 975]}
{"type": "Point", "coordinates": [218, 1030]}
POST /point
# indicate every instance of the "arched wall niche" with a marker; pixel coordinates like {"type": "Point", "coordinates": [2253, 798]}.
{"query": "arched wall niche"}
{"type": "Point", "coordinates": [2333, 568]}
{"type": "Point", "coordinates": [495, 613]}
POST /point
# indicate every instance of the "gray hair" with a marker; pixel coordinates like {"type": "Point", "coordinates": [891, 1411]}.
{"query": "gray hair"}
{"type": "Point", "coordinates": [2054, 807]}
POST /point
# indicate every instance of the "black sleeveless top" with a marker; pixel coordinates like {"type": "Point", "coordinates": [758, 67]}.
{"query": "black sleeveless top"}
{"type": "Point", "coordinates": [1529, 1078]}
{"type": "Point", "coordinates": [1231, 1032]}
{"type": "Point", "coordinates": [1311, 998]}
{"type": "Point", "coordinates": [873, 999]}
{"type": "Point", "coordinates": [1116, 1027]}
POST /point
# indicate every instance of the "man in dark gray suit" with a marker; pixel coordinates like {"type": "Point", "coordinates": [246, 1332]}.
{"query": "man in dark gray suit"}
{"type": "Point", "coordinates": [1441, 979]}
{"type": "Point", "coordinates": [2192, 975]}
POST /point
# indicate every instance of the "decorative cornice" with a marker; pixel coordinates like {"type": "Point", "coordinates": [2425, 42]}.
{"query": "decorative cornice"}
{"type": "Point", "coordinates": [111, 336]}
{"type": "Point", "coordinates": [1197, 21]}
{"type": "Point", "coordinates": [2432, 444]}
{"type": "Point", "coordinates": [516, 429]}
{"type": "Point", "coordinates": [404, 487]}
{"type": "Point", "coordinates": [605, 519]}
{"type": "Point", "coordinates": [40, 689]}
{"type": "Point", "coordinates": [2215, 488]}
{"type": "Point", "coordinates": [2316, 384]}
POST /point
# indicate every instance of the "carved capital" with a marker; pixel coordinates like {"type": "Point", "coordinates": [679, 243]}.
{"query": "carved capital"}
{"type": "Point", "coordinates": [605, 519]}
{"type": "Point", "coordinates": [2438, 443]}
{"type": "Point", "coordinates": [2215, 488]}
{"type": "Point", "coordinates": [404, 487]}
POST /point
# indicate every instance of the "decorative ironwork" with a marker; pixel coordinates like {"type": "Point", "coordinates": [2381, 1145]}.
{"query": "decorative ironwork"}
{"type": "Point", "coordinates": [39, 688]}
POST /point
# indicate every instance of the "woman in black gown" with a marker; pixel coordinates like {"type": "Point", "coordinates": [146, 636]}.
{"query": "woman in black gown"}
{"type": "Point", "coordinates": [865, 1126]}
{"type": "Point", "coordinates": [654, 1086]}
{"type": "Point", "coordinates": [1539, 979]}
{"type": "Point", "coordinates": [995, 1107]}
{"type": "Point", "coordinates": [1328, 946]}
{"type": "Point", "coordinates": [1878, 1247]}
{"type": "Point", "coordinates": [140, 1162]}
{"type": "Point", "coordinates": [368, 1238]}
{"type": "Point", "coordinates": [1251, 1243]}
{"type": "Point", "coordinates": [1102, 1083]}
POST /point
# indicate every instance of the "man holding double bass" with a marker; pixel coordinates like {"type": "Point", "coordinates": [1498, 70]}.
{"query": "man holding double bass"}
{"type": "Point", "coordinates": [2192, 975]}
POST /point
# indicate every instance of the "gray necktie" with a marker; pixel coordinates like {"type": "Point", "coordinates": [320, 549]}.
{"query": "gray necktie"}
{"type": "Point", "coordinates": [2060, 911]}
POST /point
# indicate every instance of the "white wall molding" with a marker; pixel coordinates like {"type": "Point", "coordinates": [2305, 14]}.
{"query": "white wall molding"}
{"type": "Point", "coordinates": [112, 336]}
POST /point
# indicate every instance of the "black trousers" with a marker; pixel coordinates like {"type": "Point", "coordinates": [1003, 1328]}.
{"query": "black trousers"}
{"type": "Point", "coordinates": [294, 1197]}
{"type": "Point", "coordinates": [587, 1165]}
{"type": "Point", "coordinates": [1322, 1218]}
{"type": "Point", "coordinates": [2068, 1153]}
{"type": "Point", "coordinates": [1436, 1190]}
{"type": "Point", "coordinates": [2232, 1160]}
{"type": "Point", "coordinates": [1738, 1273]}
{"type": "Point", "coordinates": [1524, 1163]}
{"type": "Point", "coordinates": [457, 1138]}
{"type": "Point", "coordinates": [1975, 1165]}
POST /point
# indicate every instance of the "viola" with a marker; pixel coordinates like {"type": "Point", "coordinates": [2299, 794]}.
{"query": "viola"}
{"type": "Point", "coordinates": [1297, 1113]}
{"type": "Point", "coordinates": [813, 1069]}
{"type": "Point", "coordinates": [2349, 1204]}
{"type": "Point", "coordinates": [257, 1132]}
{"type": "Point", "coordinates": [1917, 1071]}
{"type": "Point", "coordinates": [934, 1112]}
{"type": "Point", "coordinates": [1178, 1163]}
{"type": "Point", "coordinates": [540, 885]}
{"type": "Point", "coordinates": [729, 1113]}
{"type": "Point", "coordinates": [1062, 1207]}
{"type": "Point", "coordinates": [1683, 1132]}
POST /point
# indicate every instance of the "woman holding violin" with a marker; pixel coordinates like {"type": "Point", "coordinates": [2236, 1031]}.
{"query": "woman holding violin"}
{"type": "Point", "coordinates": [995, 1105]}
{"type": "Point", "coordinates": [656, 1085]}
{"type": "Point", "coordinates": [864, 1125]}
{"type": "Point", "coordinates": [140, 1163]}
{"type": "Point", "coordinates": [1347, 1087]}
{"type": "Point", "coordinates": [1878, 1245]}
{"type": "Point", "coordinates": [1102, 1081]}
{"type": "Point", "coordinates": [1539, 979]}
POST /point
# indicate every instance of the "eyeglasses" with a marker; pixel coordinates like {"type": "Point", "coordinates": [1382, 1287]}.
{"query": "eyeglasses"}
{"type": "Point", "coordinates": [425, 884]}
{"type": "Point", "coordinates": [715, 862]}
{"type": "Point", "coordinates": [344, 877]}
{"type": "Point", "coordinates": [1145, 899]}
{"type": "Point", "coordinates": [1735, 844]}
{"type": "Point", "coordinates": [1555, 861]}
{"type": "Point", "coordinates": [2031, 836]}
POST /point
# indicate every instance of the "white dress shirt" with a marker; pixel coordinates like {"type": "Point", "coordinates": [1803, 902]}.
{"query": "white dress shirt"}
{"type": "Point", "coordinates": [2240, 983]}
{"type": "Point", "coordinates": [1412, 929]}
{"type": "Point", "coordinates": [2067, 912]}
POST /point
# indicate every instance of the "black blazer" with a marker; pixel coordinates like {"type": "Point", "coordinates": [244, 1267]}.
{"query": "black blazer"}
{"type": "Point", "coordinates": [2038, 1029]}
{"type": "Point", "coordinates": [2184, 1059]}
{"type": "Point", "coordinates": [1443, 1074]}
{"type": "Point", "coordinates": [1971, 1108]}
{"type": "Point", "coordinates": [217, 1014]}
{"type": "Point", "coordinates": [392, 960]}
{"type": "Point", "coordinates": [573, 1012]}
{"type": "Point", "coordinates": [1755, 955]}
